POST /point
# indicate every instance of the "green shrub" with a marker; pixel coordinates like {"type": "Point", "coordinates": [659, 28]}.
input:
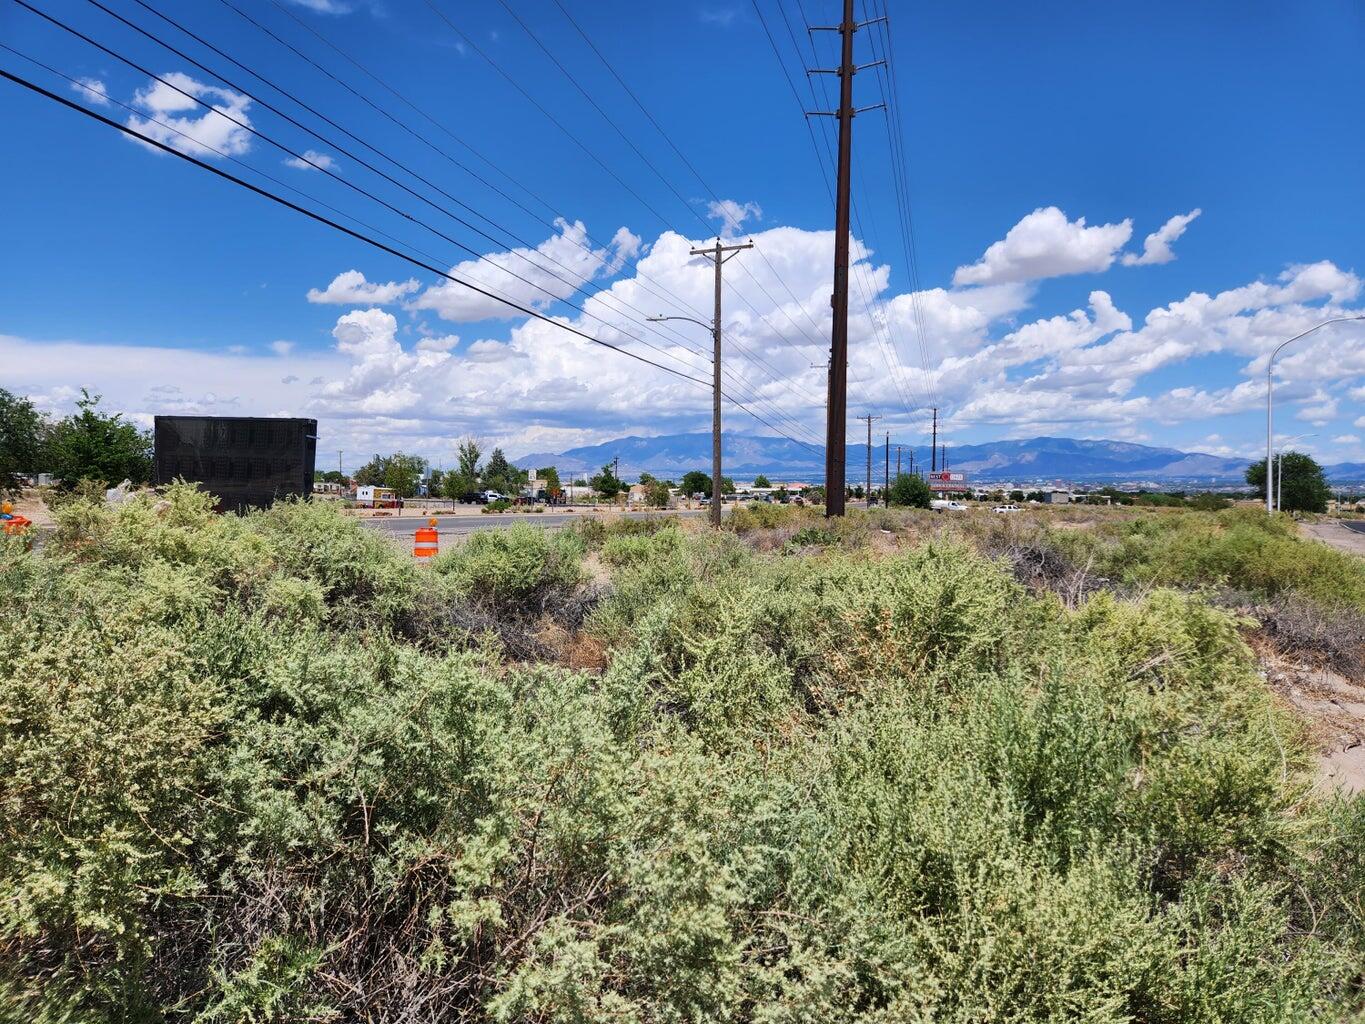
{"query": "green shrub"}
{"type": "Point", "coordinates": [513, 569]}
{"type": "Point", "coordinates": [836, 788]}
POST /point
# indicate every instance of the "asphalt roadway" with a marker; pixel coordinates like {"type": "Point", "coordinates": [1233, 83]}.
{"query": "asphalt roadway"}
{"type": "Point", "coordinates": [461, 526]}
{"type": "Point", "coordinates": [1358, 525]}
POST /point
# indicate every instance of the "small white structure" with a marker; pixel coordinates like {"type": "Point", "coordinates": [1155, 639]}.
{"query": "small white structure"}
{"type": "Point", "coordinates": [370, 496]}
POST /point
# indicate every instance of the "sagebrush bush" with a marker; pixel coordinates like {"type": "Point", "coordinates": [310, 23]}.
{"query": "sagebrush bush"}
{"type": "Point", "coordinates": [513, 569]}
{"type": "Point", "coordinates": [242, 782]}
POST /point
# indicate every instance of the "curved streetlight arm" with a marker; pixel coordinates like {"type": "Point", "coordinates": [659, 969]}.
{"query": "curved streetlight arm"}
{"type": "Point", "coordinates": [1270, 406]}
{"type": "Point", "coordinates": [690, 319]}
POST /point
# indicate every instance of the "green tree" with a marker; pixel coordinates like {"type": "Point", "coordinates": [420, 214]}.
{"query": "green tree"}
{"type": "Point", "coordinates": [372, 473]}
{"type": "Point", "coordinates": [761, 481]}
{"type": "Point", "coordinates": [656, 493]}
{"type": "Point", "coordinates": [1300, 485]}
{"type": "Point", "coordinates": [468, 455]}
{"type": "Point", "coordinates": [501, 476]}
{"type": "Point", "coordinates": [89, 445]}
{"type": "Point", "coordinates": [695, 482]}
{"type": "Point", "coordinates": [21, 440]}
{"type": "Point", "coordinates": [402, 473]}
{"type": "Point", "coordinates": [910, 491]}
{"type": "Point", "coordinates": [606, 483]}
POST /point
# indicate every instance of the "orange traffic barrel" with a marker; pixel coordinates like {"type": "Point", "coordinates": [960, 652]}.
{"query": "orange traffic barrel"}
{"type": "Point", "coordinates": [426, 542]}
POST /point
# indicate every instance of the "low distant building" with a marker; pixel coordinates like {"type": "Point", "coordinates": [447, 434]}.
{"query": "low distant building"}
{"type": "Point", "coordinates": [1057, 497]}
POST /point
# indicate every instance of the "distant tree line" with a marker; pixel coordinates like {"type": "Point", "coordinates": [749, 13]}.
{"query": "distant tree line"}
{"type": "Point", "coordinates": [86, 445]}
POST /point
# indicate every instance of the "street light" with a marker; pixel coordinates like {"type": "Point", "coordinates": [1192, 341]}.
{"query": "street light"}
{"type": "Point", "coordinates": [1270, 406]}
{"type": "Point", "coordinates": [1279, 471]}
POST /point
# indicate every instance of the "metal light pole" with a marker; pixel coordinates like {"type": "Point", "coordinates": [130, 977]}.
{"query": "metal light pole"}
{"type": "Point", "coordinates": [1270, 407]}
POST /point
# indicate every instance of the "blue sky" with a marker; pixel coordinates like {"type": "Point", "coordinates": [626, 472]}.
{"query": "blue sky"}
{"type": "Point", "coordinates": [1046, 142]}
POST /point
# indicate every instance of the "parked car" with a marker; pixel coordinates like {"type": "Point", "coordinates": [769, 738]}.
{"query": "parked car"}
{"type": "Point", "coordinates": [1006, 509]}
{"type": "Point", "coordinates": [491, 496]}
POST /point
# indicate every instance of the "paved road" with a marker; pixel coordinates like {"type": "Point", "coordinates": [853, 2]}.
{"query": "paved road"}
{"type": "Point", "coordinates": [1343, 534]}
{"type": "Point", "coordinates": [460, 526]}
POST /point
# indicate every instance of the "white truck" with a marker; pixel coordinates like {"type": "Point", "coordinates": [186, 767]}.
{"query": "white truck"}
{"type": "Point", "coordinates": [944, 505]}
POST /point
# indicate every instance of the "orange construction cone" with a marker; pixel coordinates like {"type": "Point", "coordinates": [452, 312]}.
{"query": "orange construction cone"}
{"type": "Point", "coordinates": [426, 542]}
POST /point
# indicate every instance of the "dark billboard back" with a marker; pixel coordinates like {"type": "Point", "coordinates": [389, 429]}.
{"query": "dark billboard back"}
{"type": "Point", "coordinates": [243, 460]}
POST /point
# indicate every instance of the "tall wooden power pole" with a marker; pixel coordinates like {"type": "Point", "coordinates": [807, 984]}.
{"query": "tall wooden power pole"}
{"type": "Point", "coordinates": [886, 471]}
{"type": "Point", "coordinates": [933, 444]}
{"type": "Point", "coordinates": [869, 417]}
{"type": "Point", "coordinates": [717, 254]}
{"type": "Point", "coordinates": [836, 418]}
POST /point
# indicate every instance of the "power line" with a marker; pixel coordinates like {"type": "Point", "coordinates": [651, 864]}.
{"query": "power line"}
{"type": "Point", "coordinates": [574, 138]}
{"type": "Point", "coordinates": [672, 145]}
{"type": "Point", "coordinates": [600, 291]}
{"type": "Point", "coordinates": [246, 126]}
{"type": "Point", "coordinates": [336, 226]}
{"type": "Point", "coordinates": [351, 155]}
{"type": "Point", "coordinates": [880, 331]}
{"type": "Point", "coordinates": [640, 274]}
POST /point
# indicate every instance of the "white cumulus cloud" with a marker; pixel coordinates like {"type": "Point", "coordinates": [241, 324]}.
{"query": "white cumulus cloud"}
{"type": "Point", "coordinates": [1046, 244]}
{"type": "Point", "coordinates": [92, 90]}
{"type": "Point", "coordinates": [1156, 248]}
{"type": "Point", "coordinates": [176, 119]}
{"type": "Point", "coordinates": [312, 161]}
{"type": "Point", "coordinates": [732, 214]}
{"type": "Point", "coordinates": [349, 288]}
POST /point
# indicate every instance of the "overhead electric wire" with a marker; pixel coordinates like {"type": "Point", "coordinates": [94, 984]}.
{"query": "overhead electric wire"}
{"type": "Point", "coordinates": [751, 396]}
{"type": "Point", "coordinates": [640, 274]}
{"type": "Point", "coordinates": [359, 236]}
{"type": "Point", "coordinates": [651, 165]}
{"type": "Point", "coordinates": [573, 138]}
{"type": "Point", "coordinates": [672, 145]}
{"type": "Point", "coordinates": [887, 346]}
{"type": "Point", "coordinates": [754, 396]}
{"type": "Point", "coordinates": [865, 286]}
{"type": "Point", "coordinates": [360, 160]}
{"type": "Point", "coordinates": [267, 31]}
{"type": "Point", "coordinates": [895, 129]}
{"type": "Point", "coordinates": [246, 126]}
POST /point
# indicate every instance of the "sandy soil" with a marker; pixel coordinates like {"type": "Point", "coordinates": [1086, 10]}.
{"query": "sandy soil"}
{"type": "Point", "coordinates": [31, 506]}
{"type": "Point", "coordinates": [1334, 709]}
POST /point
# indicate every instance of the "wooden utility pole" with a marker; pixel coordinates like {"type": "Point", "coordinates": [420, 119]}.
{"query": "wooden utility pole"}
{"type": "Point", "coordinates": [886, 472]}
{"type": "Point", "coordinates": [836, 417]}
{"type": "Point", "coordinates": [933, 444]}
{"type": "Point", "coordinates": [717, 255]}
{"type": "Point", "coordinates": [869, 417]}
{"type": "Point", "coordinates": [898, 462]}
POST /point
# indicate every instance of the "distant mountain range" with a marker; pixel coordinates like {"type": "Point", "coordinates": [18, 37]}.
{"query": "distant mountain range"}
{"type": "Point", "coordinates": [1037, 459]}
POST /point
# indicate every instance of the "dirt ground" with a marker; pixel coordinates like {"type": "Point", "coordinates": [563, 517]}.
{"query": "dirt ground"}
{"type": "Point", "coordinates": [31, 506]}
{"type": "Point", "coordinates": [1334, 708]}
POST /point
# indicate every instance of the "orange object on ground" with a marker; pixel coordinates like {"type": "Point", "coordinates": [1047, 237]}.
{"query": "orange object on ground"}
{"type": "Point", "coordinates": [426, 542]}
{"type": "Point", "coordinates": [15, 525]}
